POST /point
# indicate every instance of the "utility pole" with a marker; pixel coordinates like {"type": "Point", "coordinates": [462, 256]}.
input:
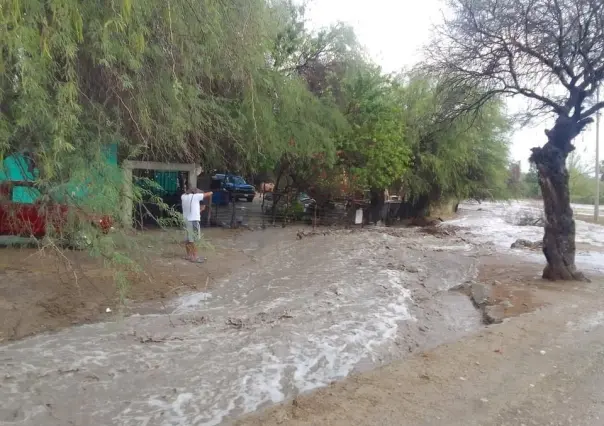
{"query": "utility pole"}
{"type": "Point", "coordinates": [597, 200]}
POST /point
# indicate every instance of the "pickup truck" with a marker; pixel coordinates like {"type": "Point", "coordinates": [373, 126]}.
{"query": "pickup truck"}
{"type": "Point", "coordinates": [227, 187]}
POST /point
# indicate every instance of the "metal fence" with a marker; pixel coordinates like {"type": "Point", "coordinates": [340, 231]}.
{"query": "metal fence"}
{"type": "Point", "coordinates": [281, 209]}
{"type": "Point", "coordinates": [285, 208]}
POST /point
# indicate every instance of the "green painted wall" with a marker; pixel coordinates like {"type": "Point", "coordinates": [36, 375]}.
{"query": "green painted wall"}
{"type": "Point", "coordinates": [14, 168]}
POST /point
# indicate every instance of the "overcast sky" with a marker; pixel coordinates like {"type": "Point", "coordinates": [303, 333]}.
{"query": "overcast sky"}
{"type": "Point", "coordinates": [394, 32]}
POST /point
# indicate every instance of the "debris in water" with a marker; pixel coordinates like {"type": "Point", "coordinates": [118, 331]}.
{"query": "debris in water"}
{"type": "Point", "coordinates": [72, 370]}
{"type": "Point", "coordinates": [235, 322]}
{"type": "Point", "coordinates": [150, 339]}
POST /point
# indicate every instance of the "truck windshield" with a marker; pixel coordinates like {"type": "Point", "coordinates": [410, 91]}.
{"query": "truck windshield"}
{"type": "Point", "coordinates": [237, 180]}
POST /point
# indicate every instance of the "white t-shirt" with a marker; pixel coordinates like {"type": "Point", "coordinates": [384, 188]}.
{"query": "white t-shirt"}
{"type": "Point", "coordinates": [191, 210]}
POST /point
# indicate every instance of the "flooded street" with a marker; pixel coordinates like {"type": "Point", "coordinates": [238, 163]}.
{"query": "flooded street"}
{"type": "Point", "coordinates": [305, 313]}
{"type": "Point", "coordinates": [495, 225]}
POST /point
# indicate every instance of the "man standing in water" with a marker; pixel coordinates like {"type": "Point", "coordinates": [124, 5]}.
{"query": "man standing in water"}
{"type": "Point", "coordinates": [191, 211]}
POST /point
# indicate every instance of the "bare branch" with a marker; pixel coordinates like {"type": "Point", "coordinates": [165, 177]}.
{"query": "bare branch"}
{"type": "Point", "coordinates": [594, 109]}
{"type": "Point", "coordinates": [551, 51]}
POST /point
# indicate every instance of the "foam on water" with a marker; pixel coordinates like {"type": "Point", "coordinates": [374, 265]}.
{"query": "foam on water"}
{"type": "Point", "coordinates": [496, 223]}
{"type": "Point", "coordinates": [291, 323]}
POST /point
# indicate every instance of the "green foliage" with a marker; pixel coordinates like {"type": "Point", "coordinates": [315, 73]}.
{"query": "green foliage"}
{"type": "Point", "coordinates": [180, 80]}
{"type": "Point", "coordinates": [240, 85]}
{"type": "Point", "coordinates": [531, 183]}
{"type": "Point", "coordinates": [581, 182]}
{"type": "Point", "coordinates": [461, 157]}
{"type": "Point", "coordinates": [375, 149]}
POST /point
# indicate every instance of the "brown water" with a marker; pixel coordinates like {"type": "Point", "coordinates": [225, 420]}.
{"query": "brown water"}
{"type": "Point", "coordinates": [307, 312]}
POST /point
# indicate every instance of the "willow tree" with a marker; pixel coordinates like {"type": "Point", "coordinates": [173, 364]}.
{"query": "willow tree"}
{"type": "Point", "coordinates": [552, 53]}
{"type": "Point", "coordinates": [453, 155]}
{"type": "Point", "coordinates": [313, 62]}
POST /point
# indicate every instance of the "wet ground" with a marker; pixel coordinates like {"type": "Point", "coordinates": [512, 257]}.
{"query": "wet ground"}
{"type": "Point", "coordinates": [306, 312]}
{"type": "Point", "coordinates": [543, 368]}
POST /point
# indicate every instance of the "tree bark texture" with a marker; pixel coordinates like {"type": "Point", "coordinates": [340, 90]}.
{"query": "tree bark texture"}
{"type": "Point", "coordinates": [377, 201]}
{"type": "Point", "coordinates": [559, 238]}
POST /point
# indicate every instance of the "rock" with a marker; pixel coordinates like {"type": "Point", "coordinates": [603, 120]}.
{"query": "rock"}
{"type": "Point", "coordinates": [480, 294]}
{"type": "Point", "coordinates": [412, 269]}
{"type": "Point", "coordinates": [494, 314]}
{"type": "Point", "coordinates": [507, 304]}
{"type": "Point", "coordinates": [529, 219]}
{"type": "Point", "coordinates": [460, 287]}
{"type": "Point", "coordinates": [520, 243]}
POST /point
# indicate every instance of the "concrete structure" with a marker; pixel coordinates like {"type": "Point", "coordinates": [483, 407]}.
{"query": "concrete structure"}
{"type": "Point", "coordinates": [128, 166]}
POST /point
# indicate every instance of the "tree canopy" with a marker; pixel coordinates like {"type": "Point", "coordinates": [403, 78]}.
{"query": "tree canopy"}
{"type": "Point", "coordinates": [244, 86]}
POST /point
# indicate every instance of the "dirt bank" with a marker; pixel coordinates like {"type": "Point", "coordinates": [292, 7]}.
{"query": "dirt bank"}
{"type": "Point", "coordinates": [46, 290]}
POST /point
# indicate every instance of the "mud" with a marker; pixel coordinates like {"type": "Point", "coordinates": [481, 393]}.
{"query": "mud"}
{"type": "Point", "coordinates": [49, 289]}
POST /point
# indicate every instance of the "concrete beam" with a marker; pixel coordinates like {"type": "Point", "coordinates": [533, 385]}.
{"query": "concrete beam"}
{"type": "Point", "coordinates": [128, 166]}
{"type": "Point", "coordinates": [154, 165]}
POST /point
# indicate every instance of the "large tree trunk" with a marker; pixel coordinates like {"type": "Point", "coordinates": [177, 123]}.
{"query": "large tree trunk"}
{"type": "Point", "coordinates": [559, 238]}
{"type": "Point", "coordinates": [377, 201]}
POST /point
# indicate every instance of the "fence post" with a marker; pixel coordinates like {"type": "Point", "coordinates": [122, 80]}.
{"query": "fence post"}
{"type": "Point", "coordinates": [209, 221]}
{"type": "Point", "coordinates": [233, 210]}
{"type": "Point", "coordinates": [262, 193]}
{"type": "Point", "coordinates": [286, 218]}
{"type": "Point", "coordinates": [274, 208]}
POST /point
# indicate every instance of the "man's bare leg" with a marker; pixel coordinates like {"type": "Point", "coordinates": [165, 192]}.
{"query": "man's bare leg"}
{"type": "Point", "coordinates": [188, 248]}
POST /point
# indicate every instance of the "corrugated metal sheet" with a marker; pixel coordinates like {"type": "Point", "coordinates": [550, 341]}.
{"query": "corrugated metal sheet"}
{"type": "Point", "coordinates": [168, 181]}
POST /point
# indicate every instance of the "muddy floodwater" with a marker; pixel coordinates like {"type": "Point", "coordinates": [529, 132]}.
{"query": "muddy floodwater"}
{"type": "Point", "coordinates": [305, 313]}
